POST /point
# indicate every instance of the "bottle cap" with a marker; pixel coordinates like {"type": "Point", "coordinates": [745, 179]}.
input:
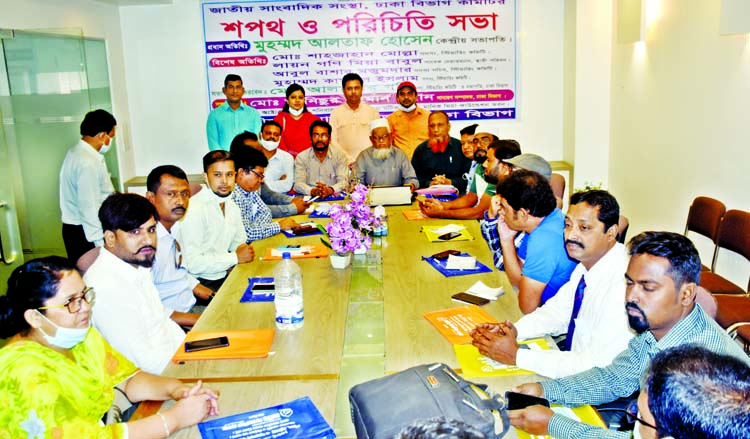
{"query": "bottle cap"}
{"type": "Point", "coordinates": [286, 255]}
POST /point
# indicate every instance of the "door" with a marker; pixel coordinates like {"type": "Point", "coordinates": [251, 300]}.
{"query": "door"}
{"type": "Point", "coordinates": [52, 80]}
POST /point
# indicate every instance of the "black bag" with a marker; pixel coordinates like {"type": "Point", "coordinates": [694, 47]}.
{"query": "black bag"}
{"type": "Point", "coordinates": [382, 407]}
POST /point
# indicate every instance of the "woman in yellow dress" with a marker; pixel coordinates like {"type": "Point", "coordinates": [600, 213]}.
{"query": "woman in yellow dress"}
{"type": "Point", "coordinates": [58, 375]}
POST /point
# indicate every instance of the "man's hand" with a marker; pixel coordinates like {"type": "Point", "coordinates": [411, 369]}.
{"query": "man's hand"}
{"type": "Point", "coordinates": [533, 389]}
{"type": "Point", "coordinates": [500, 345]}
{"type": "Point", "coordinates": [245, 253]}
{"type": "Point", "coordinates": [440, 179]}
{"type": "Point", "coordinates": [503, 231]}
{"type": "Point", "coordinates": [300, 204]}
{"type": "Point", "coordinates": [533, 419]}
{"type": "Point", "coordinates": [496, 207]}
{"type": "Point", "coordinates": [288, 224]}
{"type": "Point", "coordinates": [202, 292]}
{"type": "Point", "coordinates": [431, 207]}
{"type": "Point", "coordinates": [322, 190]}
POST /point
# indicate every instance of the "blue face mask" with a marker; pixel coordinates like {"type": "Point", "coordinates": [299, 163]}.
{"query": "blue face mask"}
{"type": "Point", "coordinates": [64, 338]}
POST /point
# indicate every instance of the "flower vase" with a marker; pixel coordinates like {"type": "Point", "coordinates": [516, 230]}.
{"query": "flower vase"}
{"type": "Point", "coordinates": [342, 261]}
{"type": "Point", "coordinates": [361, 250]}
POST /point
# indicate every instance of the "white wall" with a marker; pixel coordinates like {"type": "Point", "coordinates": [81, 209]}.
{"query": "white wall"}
{"type": "Point", "coordinates": [167, 87]}
{"type": "Point", "coordinates": [95, 20]}
{"type": "Point", "coordinates": [680, 125]}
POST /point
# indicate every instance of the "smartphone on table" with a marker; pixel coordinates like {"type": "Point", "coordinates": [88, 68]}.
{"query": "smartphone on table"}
{"type": "Point", "coordinates": [517, 401]}
{"type": "Point", "coordinates": [442, 256]}
{"type": "Point", "coordinates": [263, 287]}
{"type": "Point", "coordinates": [449, 236]}
{"type": "Point", "coordinates": [208, 343]}
{"type": "Point", "coordinates": [470, 299]}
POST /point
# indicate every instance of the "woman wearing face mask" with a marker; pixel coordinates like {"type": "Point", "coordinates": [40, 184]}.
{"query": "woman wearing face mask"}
{"type": "Point", "coordinates": [295, 121]}
{"type": "Point", "coordinates": [58, 375]}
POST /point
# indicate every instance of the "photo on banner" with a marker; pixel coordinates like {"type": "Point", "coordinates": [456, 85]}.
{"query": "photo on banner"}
{"type": "Point", "coordinates": [461, 54]}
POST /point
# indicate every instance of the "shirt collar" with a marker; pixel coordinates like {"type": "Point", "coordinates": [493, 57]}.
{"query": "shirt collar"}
{"type": "Point", "coordinates": [119, 264]}
{"type": "Point", "coordinates": [692, 322]}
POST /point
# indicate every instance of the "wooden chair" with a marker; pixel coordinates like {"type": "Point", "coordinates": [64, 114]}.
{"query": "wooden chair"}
{"type": "Point", "coordinates": [88, 258]}
{"type": "Point", "coordinates": [622, 226]}
{"type": "Point", "coordinates": [733, 314]}
{"type": "Point", "coordinates": [704, 217]}
{"type": "Point", "coordinates": [734, 235]}
{"type": "Point", "coordinates": [557, 182]}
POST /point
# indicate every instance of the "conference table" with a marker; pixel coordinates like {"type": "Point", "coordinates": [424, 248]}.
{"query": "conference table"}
{"type": "Point", "coordinates": [361, 323]}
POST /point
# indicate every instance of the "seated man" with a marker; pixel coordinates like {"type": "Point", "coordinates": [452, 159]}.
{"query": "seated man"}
{"type": "Point", "coordinates": [589, 308]}
{"type": "Point", "coordinates": [691, 392]}
{"type": "Point", "coordinates": [382, 164]}
{"type": "Point", "coordinates": [439, 159]}
{"type": "Point", "coordinates": [475, 203]}
{"type": "Point", "coordinates": [280, 169]}
{"type": "Point", "coordinates": [488, 225]}
{"type": "Point", "coordinates": [537, 163]}
{"type": "Point", "coordinates": [321, 170]}
{"type": "Point", "coordinates": [540, 266]}
{"type": "Point", "coordinates": [169, 192]}
{"type": "Point", "coordinates": [128, 312]}
{"type": "Point", "coordinates": [214, 239]}
{"type": "Point", "coordinates": [280, 204]}
{"type": "Point", "coordinates": [661, 281]}
{"type": "Point", "coordinates": [256, 216]}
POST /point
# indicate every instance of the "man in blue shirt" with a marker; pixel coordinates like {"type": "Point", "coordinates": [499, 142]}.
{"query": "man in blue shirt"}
{"type": "Point", "coordinates": [541, 265]}
{"type": "Point", "coordinates": [661, 284]}
{"type": "Point", "coordinates": [232, 117]}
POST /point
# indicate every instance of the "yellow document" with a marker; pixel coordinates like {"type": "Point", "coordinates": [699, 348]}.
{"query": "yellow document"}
{"type": "Point", "coordinates": [584, 413]}
{"type": "Point", "coordinates": [473, 364]}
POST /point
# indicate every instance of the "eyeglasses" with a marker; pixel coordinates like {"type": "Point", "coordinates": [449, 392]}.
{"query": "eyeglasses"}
{"type": "Point", "coordinates": [631, 414]}
{"type": "Point", "coordinates": [484, 140]}
{"type": "Point", "coordinates": [74, 303]}
{"type": "Point", "coordinates": [177, 255]}
{"type": "Point", "coordinates": [258, 174]}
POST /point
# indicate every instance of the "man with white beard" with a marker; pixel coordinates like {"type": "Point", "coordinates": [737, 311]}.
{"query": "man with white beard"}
{"type": "Point", "coordinates": [382, 164]}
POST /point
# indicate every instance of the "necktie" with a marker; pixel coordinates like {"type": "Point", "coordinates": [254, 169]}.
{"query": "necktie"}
{"type": "Point", "coordinates": [577, 301]}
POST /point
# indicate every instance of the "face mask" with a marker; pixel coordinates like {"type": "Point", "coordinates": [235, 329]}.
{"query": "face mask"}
{"type": "Point", "coordinates": [105, 147]}
{"type": "Point", "coordinates": [64, 338]}
{"type": "Point", "coordinates": [408, 109]}
{"type": "Point", "coordinates": [268, 145]}
{"type": "Point", "coordinates": [296, 113]}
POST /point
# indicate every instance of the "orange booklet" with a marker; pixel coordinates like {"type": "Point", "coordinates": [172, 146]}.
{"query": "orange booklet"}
{"type": "Point", "coordinates": [306, 251]}
{"type": "Point", "coordinates": [412, 215]}
{"type": "Point", "coordinates": [456, 323]}
{"type": "Point", "coordinates": [243, 343]}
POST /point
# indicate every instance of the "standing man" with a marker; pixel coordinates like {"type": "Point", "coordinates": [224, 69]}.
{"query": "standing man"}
{"type": "Point", "coordinates": [440, 160]}
{"type": "Point", "coordinates": [409, 122]}
{"type": "Point", "coordinates": [382, 164]}
{"type": "Point", "coordinates": [541, 265]}
{"type": "Point", "coordinates": [351, 120]}
{"type": "Point", "coordinates": [212, 231]}
{"type": "Point", "coordinates": [589, 308]}
{"type": "Point", "coordinates": [661, 282]}
{"type": "Point", "coordinates": [232, 117]}
{"type": "Point", "coordinates": [128, 311]}
{"type": "Point", "coordinates": [85, 184]}
{"type": "Point", "coordinates": [169, 192]}
{"type": "Point", "coordinates": [321, 170]}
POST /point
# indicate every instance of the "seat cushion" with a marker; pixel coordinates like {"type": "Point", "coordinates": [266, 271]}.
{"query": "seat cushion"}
{"type": "Point", "coordinates": [733, 309]}
{"type": "Point", "coordinates": [718, 285]}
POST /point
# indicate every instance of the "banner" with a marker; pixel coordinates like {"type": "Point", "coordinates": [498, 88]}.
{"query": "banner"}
{"type": "Point", "coordinates": [461, 54]}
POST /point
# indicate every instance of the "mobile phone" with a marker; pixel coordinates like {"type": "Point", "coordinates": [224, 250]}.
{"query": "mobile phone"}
{"type": "Point", "coordinates": [449, 236]}
{"type": "Point", "coordinates": [470, 298]}
{"type": "Point", "coordinates": [263, 287]}
{"type": "Point", "coordinates": [444, 255]}
{"type": "Point", "coordinates": [304, 230]}
{"type": "Point", "coordinates": [517, 401]}
{"type": "Point", "coordinates": [208, 343]}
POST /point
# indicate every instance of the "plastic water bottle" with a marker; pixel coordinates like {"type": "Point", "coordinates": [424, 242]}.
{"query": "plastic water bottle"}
{"type": "Point", "coordinates": [288, 301]}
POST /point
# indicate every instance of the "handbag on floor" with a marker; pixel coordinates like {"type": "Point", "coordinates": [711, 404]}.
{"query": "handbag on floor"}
{"type": "Point", "coordinates": [384, 406]}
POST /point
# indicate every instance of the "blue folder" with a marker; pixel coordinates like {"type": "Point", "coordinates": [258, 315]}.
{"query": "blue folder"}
{"type": "Point", "coordinates": [259, 296]}
{"type": "Point", "coordinates": [440, 266]}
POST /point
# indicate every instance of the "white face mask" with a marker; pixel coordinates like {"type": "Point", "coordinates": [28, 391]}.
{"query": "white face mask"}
{"type": "Point", "coordinates": [64, 338]}
{"type": "Point", "coordinates": [268, 145]}
{"type": "Point", "coordinates": [408, 109]}
{"type": "Point", "coordinates": [296, 113]}
{"type": "Point", "coordinates": [105, 146]}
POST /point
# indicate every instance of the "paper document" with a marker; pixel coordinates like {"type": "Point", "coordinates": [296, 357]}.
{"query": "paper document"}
{"type": "Point", "coordinates": [448, 229]}
{"type": "Point", "coordinates": [482, 290]}
{"type": "Point", "coordinates": [474, 365]}
{"type": "Point", "coordinates": [455, 324]}
{"type": "Point", "coordinates": [461, 262]}
{"type": "Point", "coordinates": [390, 196]}
{"type": "Point", "coordinates": [584, 413]}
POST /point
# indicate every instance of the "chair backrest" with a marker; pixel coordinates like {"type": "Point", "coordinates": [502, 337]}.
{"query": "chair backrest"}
{"type": "Point", "coordinates": [557, 182]}
{"type": "Point", "coordinates": [195, 188]}
{"type": "Point", "coordinates": [622, 226]}
{"type": "Point", "coordinates": [734, 232]}
{"type": "Point", "coordinates": [704, 216]}
{"type": "Point", "coordinates": [88, 258]}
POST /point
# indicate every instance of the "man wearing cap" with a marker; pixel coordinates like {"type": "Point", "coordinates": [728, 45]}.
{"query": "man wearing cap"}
{"type": "Point", "coordinates": [439, 160]}
{"type": "Point", "coordinates": [409, 122]}
{"type": "Point", "coordinates": [475, 203]}
{"type": "Point", "coordinates": [351, 120]}
{"type": "Point", "coordinates": [382, 164]}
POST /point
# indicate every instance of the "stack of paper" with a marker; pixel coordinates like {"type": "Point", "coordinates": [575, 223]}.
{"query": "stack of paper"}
{"type": "Point", "coordinates": [390, 196]}
{"type": "Point", "coordinates": [482, 290]}
{"type": "Point", "coordinates": [461, 262]}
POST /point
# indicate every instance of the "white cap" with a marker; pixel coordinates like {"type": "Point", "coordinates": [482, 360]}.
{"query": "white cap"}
{"type": "Point", "coordinates": [380, 123]}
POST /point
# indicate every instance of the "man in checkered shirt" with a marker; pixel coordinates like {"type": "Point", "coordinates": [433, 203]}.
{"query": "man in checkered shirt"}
{"type": "Point", "coordinates": [661, 279]}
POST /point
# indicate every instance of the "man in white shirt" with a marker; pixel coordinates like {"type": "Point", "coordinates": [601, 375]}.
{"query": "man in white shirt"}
{"type": "Point", "coordinates": [280, 169]}
{"type": "Point", "coordinates": [169, 192]}
{"type": "Point", "coordinates": [214, 239]}
{"type": "Point", "coordinates": [590, 307]}
{"type": "Point", "coordinates": [85, 183]}
{"type": "Point", "coordinates": [128, 311]}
